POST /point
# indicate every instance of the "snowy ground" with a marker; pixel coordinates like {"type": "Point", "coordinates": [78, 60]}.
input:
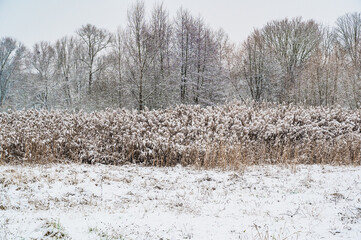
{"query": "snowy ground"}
{"type": "Point", "coordinates": [133, 202]}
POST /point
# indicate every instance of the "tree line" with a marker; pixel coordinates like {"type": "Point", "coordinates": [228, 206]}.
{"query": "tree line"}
{"type": "Point", "coordinates": [158, 61]}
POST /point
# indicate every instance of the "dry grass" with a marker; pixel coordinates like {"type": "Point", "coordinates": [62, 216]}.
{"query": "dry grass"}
{"type": "Point", "coordinates": [228, 136]}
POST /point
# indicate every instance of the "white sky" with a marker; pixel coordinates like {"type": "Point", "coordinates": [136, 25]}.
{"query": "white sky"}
{"type": "Point", "coordinates": [31, 21]}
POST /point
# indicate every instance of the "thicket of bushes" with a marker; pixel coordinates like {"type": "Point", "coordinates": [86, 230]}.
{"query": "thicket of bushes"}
{"type": "Point", "coordinates": [224, 136]}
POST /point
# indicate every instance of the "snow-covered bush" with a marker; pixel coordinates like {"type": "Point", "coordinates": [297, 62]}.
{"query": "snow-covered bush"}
{"type": "Point", "coordinates": [229, 135]}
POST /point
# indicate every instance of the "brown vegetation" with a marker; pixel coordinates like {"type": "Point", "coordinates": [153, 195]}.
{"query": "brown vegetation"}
{"type": "Point", "coordinates": [227, 136]}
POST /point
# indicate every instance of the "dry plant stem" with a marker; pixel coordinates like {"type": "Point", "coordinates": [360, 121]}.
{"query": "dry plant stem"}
{"type": "Point", "coordinates": [226, 137]}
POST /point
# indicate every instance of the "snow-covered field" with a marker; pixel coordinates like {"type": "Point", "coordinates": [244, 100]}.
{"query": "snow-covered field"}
{"type": "Point", "coordinates": [135, 202]}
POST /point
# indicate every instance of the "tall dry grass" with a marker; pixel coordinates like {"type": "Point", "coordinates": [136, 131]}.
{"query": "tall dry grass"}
{"type": "Point", "coordinates": [226, 136]}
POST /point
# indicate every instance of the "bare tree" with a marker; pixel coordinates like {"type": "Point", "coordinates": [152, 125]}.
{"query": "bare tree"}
{"type": "Point", "coordinates": [319, 83]}
{"type": "Point", "coordinates": [161, 33]}
{"type": "Point", "coordinates": [224, 55]}
{"type": "Point", "coordinates": [11, 53]}
{"type": "Point", "coordinates": [139, 53]}
{"type": "Point", "coordinates": [184, 33]}
{"type": "Point", "coordinates": [348, 33]}
{"type": "Point", "coordinates": [42, 61]}
{"type": "Point", "coordinates": [69, 71]}
{"type": "Point", "coordinates": [156, 62]}
{"type": "Point", "coordinates": [94, 40]}
{"type": "Point", "coordinates": [208, 77]}
{"type": "Point", "coordinates": [291, 42]}
{"type": "Point", "coordinates": [116, 61]}
{"type": "Point", "coordinates": [255, 65]}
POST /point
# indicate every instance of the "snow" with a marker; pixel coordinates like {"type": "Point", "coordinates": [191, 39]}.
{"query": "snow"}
{"type": "Point", "coordinates": [210, 136]}
{"type": "Point", "coordinates": [135, 202]}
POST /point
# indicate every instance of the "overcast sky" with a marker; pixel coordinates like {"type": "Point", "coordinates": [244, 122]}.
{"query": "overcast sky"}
{"type": "Point", "coordinates": [31, 21]}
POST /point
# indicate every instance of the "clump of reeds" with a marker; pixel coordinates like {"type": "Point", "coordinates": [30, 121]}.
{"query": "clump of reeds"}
{"type": "Point", "coordinates": [227, 136]}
